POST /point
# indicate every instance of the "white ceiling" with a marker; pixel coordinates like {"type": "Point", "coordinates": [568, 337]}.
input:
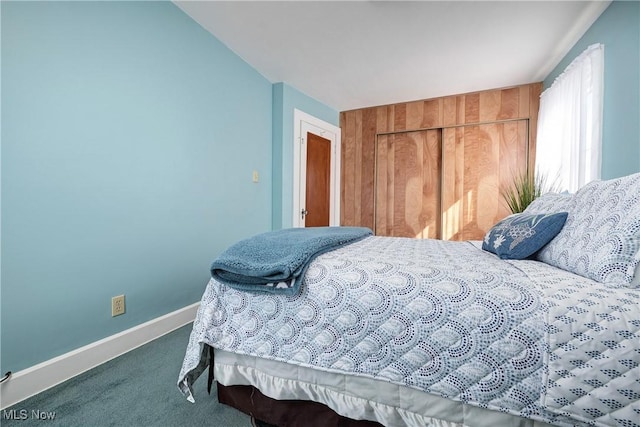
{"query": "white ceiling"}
{"type": "Point", "coordinates": [356, 54]}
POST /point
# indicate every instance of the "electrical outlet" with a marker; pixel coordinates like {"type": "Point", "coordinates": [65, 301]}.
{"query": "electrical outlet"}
{"type": "Point", "coordinates": [255, 177]}
{"type": "Point", "coordinates": [117, 305]}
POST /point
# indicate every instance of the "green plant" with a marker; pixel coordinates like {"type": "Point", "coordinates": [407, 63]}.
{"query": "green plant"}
{"type": "Point", "coordinates": [526, 187]}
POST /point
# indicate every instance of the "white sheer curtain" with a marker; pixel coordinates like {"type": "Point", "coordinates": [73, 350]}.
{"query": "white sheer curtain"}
{"type": "Point", "coordinates": [569, 140]}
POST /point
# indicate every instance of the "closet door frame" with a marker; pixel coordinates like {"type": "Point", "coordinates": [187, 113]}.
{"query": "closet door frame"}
{"type": "Point", "coordinates": [441, 129]}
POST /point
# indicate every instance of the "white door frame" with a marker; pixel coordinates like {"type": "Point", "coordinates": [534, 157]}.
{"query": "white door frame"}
{"type": "Point", "coordinates": [303, 123]}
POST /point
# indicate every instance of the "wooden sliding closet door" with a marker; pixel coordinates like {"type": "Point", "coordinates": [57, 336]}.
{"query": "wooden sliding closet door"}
{"type": "Point", "coordinates": [407, 198]}
{"type": "Point", "coordinates": [485, 139]}
{"type": "Point", "coordinates": [478, 162]}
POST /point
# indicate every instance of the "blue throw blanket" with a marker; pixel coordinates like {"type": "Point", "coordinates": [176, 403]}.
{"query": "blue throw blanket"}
{"type": "Point", "coordinates": [274, 261]}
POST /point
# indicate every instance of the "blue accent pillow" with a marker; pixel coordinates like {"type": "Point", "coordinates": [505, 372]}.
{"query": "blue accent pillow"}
{"type": "Point", "coordinates": [522, 235]}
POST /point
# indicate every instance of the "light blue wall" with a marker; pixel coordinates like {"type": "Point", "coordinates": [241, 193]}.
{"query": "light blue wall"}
{"type": "Point", "coordinates": [129, 137]}
{"type": "Point", "coordinates": [285, 100]}
{"type": "Point", "coordinates": [618, 28]}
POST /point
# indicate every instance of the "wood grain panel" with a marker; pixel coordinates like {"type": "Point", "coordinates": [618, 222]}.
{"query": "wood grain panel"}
{"type": "Point", "coordinates": [453, 110]}
{"type": "Point", "coordinates": [414, 115]}
{"type": "Point", "coordinates": [410, 116]}
{"type": "Point", "coordinates": [513, 141]}
{"type": "Point", "coordinates": [389, 119]}
{"type": "Point", "coordinates": [482, 182]}
{"type": "Point", "coordinates": [408, 184]}
{"type": "Point", "coordinates": [357, 211]}
{"type": "Point", "coordinates": [452, 180]}
{"type": "Point", "coordinates": [479, 161]}
{"type": "Point", "coordinates": [359, 129]}
{"type": "Point", "coordinates": [489, 105]}
{"type": "Point", "coordinates": [524, 99]}
{"type": "Point", "coordinates": [471, 108]}
{"type": "Point", "coordinates": [381, 119]}
{"type": "Point", "coordinates": [369, 130]}
{"type": "Point", "coordinates": [348, 163]}
{"type": "Point", "coordinates": [510, 105]}
{"type": "Point", "coordinates": [399, 117]}
{"type": "Point", "coordinates": [432, 116]}
{"type": "Point", "coordinates": [504, 104]}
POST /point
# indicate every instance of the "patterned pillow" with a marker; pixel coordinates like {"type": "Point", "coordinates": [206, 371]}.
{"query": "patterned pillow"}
{"type": "Point", "coordinates": [601, 239]}
{"type": "Point", "coordinates": [520, 236]}
{"type": "Point", "coordinates": [551, 202]}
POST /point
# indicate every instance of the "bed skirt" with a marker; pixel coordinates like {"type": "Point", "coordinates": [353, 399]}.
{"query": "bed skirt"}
{"type": "Point", "coordinates": [284, 413]}
{"type": "Point", "coordinates": [292, 396]}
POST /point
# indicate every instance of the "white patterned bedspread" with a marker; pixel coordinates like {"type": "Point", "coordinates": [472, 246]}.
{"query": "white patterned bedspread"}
{"type": "Point", "coordinates": [449, 319]}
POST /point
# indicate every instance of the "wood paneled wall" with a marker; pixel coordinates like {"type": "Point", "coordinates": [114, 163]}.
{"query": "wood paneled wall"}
{"type": "Point", "coordinates": [508, 117]}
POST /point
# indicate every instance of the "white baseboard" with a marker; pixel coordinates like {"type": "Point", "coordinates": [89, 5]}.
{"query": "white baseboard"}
{"type": "Point", "coordinates": [36, 379]}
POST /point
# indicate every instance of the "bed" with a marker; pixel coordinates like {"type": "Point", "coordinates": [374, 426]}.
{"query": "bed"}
{"type": "Point", "coordinates": [538, 324]}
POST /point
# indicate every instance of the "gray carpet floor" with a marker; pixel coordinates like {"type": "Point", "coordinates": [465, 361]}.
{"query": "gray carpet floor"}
{"type": "Point", "coordinates": [135, 389]}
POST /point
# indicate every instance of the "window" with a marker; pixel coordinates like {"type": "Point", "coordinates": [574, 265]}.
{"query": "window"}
{"type": "Point", "coordinates": [569, 141]}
